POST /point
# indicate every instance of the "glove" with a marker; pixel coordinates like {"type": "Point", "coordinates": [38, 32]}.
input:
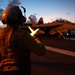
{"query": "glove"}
{"type": "Point", "coordinates": [37, 40]}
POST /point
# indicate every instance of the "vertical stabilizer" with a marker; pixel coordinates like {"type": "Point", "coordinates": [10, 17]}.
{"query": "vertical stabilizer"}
{"type": "Point", "coordinates": [33, 23]}
{"type": "Point", "coordinates": [40, 21]}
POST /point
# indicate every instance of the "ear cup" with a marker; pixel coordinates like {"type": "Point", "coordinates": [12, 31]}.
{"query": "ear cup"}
{"type": "Point", "coordinates": [23, 19]}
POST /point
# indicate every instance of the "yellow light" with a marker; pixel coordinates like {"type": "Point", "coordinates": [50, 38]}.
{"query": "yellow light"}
{"type": "Point", "coordinates": [34, 32]}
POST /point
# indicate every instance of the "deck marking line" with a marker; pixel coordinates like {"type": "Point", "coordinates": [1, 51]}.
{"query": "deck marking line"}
{"type": "Point", "coordinates": [66, 52]}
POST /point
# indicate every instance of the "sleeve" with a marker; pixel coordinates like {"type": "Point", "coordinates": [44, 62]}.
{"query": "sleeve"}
{"type": "Point", "coordinates": [36, 46]}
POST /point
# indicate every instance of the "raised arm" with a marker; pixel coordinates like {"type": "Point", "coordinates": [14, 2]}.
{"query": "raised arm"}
{"type": "Point", "coordinates": [35, 45]}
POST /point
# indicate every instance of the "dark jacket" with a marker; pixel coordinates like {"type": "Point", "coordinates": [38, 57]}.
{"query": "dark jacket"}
{"type": "Point", "coordinates": [15, 47]}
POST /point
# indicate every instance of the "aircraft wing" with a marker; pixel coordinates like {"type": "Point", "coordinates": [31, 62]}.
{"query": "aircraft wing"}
{"type": "Point", "coordinates": [66, 26]}
{"type": "Point", "coordinates": [44, 25]}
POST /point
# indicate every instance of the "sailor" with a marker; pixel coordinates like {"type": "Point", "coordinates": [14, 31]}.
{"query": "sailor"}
{"type": "Point", "coordinates": [16, 44]}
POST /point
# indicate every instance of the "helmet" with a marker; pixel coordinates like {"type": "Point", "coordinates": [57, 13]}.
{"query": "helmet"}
{"type": "Point", "coordinates": [12, 15]}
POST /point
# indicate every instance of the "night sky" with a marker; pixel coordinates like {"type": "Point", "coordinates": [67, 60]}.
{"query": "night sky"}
{"type": "Point", "coordinates": [50, 10]}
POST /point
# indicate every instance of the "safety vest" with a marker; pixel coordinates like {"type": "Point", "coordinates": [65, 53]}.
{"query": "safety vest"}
{"type": "Point", "coordinates": [14, 57]}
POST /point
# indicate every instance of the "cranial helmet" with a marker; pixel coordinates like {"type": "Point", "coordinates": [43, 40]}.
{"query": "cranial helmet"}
{"type": "Point", "coordinates": [12, 15]}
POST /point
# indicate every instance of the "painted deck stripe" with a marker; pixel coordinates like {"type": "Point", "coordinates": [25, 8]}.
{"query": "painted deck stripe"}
{"type": "Point", "coordinates": [66, 52]}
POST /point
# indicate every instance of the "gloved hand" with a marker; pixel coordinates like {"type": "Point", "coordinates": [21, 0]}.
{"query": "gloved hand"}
{"type": "Point", "coordinates": [37, 40]}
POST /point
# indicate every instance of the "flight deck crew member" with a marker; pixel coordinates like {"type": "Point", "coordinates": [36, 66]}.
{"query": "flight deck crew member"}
{"type": "Point", "coordinates": [16, 44]}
